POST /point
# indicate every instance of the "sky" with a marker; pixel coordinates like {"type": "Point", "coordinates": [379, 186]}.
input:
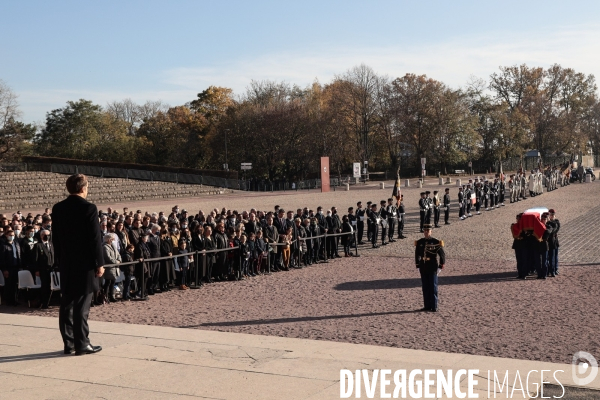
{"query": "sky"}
{"type": "Point", "coordinates": [52, 52]}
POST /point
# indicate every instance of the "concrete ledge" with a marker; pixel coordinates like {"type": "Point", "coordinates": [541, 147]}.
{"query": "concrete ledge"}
{"type": "Point", "coordinates": [141, 361]}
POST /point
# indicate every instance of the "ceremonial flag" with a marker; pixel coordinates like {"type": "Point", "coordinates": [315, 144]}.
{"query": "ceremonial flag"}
{"type": "Point", "coordinates": [396, 192]}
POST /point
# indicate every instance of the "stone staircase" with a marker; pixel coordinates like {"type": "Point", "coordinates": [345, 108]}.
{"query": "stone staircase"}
{"type": "Point", "coordinates": [36, 190]}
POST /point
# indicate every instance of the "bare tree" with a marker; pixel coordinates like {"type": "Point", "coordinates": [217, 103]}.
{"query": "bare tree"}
{"type": "Point", "coordinates": [9, 106]}
{"type": "Point", "coordinates": [134, 114]}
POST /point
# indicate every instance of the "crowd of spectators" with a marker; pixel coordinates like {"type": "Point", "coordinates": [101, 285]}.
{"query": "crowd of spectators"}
{"type": "Point", "coordinates": [260, 241]}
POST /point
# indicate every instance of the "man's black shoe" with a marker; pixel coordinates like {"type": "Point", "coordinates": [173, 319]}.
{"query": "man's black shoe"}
{"type": "Point", "coordinates": [89, 349]}
{"type": "Point", "coordinates": [402, 237]}
{"type": "Point", "coordinates": [375, 246]}
{"type": "Point", "coordinates": [425, 309]}
{"type": "Point", "coordinates": [361, 242]}
{"type": "Point", "coordinates": [69, 350]}
{"type": "Point", "coordinates": [151, 292]}
{"type": "Point", "coordinates": [384, 243]}
{"type": "Point", "coordinates": [432, 310]}
{"type": "Point", "coordinates": [446, 223]}
{"type": "Point", "coordinates": [541, 277]}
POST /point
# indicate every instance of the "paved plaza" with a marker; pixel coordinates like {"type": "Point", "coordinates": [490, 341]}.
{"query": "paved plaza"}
{"type": "Point", "coordinates": [160, 362]}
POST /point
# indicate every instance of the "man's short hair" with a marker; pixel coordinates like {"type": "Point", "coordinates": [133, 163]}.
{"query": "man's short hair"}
{"type": "Point", "coordinates": [76, 183]}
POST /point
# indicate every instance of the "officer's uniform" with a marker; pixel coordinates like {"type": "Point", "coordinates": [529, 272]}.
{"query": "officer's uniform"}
{"type": "Point", "coordinates": [360, 224]}
{"type": "Point", "coordinates": [429, 209]}
{"type": "Point", "coordinates": [427, 251]}
{"type": "Point", "coordinates": [422, 211]}
{"type": "Point", "coordinates": [374, 220]}
{"type": "Point", "coordinates": [392, 212]}
{"type": "Point", "coordinates": [446, 208]}
{"type": "Point", "coordinates": [401, 213]}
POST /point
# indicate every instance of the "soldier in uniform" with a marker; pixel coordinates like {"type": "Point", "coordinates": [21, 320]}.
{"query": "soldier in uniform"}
{"type": "Point", "coordinates": [374, 220]}
{"type": "Point", "coordinates": [360, 222]}
{"type": "Point", "coordinates": [468, 203]}
{"type": "Point", "coordinates": [369, 225]}
{"type": "Point", "coordinates": [478, 196]}
{"type": "Point", "coordinates": [461, 203]}
{"type": "Point", "coordinates": [392, 213]}
{"type": "Point", "coordinates": [519, 246]}
{"type": "Point", "coordinates": [553, 244]}
{"type": "Point", "coordinates": [429, 209]}
{"type": "Point", "coordinates": [446, 206]}
{"type": "Point", "coordinates": [422, 210]}
{"type": "Point", "coordinates": [383, 220]}
{"type": "Point", "coordinates": [436, 209]}
{"type": "Point", "coordinates": [427, 251]}
{"type": "Point", "coordinates": [401, 213]}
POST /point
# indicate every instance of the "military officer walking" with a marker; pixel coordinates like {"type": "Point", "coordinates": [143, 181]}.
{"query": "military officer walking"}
{"type": "Point", "coordinates": [427, 251]}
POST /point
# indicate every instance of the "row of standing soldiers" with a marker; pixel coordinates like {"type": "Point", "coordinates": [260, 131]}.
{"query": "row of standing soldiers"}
{"type": "Point", "coordinates": [382, 222]}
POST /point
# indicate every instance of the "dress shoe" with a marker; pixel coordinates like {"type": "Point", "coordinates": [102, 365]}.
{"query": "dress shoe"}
{"type": "Point", "coordinates": [361, 242]}
{"type": "Point", "coordinates": [69, 350]}
{"type": "Point", "coordinates": [446, 223]}
{"type": "Point", "coordinates": [432, 310]}
{"type": "Point", "coordinates": [425, 309]}
{"type": "Point", "coordinates": [402, 237]}
{"type": "Point", "coordinates": [375, 246]}
{"type": "Point", "coordinates": [89, 349]}
{"type": "Point", "coordinates": [541, 277]}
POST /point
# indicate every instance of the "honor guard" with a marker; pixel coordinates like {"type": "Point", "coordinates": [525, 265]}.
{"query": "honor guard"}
{"type": "Point", "coordinates": [383, 220]}
{"type": "Point", "coordinates": [360, 222]}
{"type": "Point", "coordinates": [369, 225]}
{"type": "Point", "coordinates": [429, 210]}
{"type": "Point", "coordinates": [374, 220]}
{"type": "Point", "coordinates": [422, 210]}
{"type": "Point", "coordinates": [427, 251]}
{"type": "Point", "coordinates": [401, 218]}
{"type": "Point", "coordinates": [436, 209]}
{"type": "Point", "coordinates": [447, 206]}
{"type": "Point", "coordinates": [461, 203]}
{"type": "Point", "coordinates": [392, 213]}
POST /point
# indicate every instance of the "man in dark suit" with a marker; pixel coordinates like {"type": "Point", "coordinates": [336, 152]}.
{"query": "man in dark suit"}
{"type": "Point", "coordinates": [10, 263]}
{"type": "Point", "coordinates": [78, 254]}
{"type": "Point", "coordinates": [44, 261]}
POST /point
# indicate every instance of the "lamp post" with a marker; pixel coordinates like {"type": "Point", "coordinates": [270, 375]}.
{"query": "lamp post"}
{"type": "Point", "coordinates": [226, 164]}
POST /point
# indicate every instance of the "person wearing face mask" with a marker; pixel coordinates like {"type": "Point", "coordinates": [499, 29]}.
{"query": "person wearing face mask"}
{"type": "Point", "coordinates": [44, 260]}
{"type": "Point", "coordinates": [28, 250]}
{"type": "Point", "coordinates": [10, 256]}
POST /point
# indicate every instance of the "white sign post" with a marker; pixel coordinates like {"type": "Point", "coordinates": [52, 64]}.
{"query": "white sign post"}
{"type": "Point", "coordinates": [246, 166]}
{"type": "Point", "coordinates": [356, 170]}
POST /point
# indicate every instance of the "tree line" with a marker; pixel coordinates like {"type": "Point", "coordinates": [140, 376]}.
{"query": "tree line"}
{"type": "Point", "coordinates": [283, 129]}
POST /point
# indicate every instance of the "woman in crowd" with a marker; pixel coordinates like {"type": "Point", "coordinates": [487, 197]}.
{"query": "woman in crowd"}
{"type": "Point", "coordinates": [111, 256]}
{"type": "Point", "coordinates": [167, 270]}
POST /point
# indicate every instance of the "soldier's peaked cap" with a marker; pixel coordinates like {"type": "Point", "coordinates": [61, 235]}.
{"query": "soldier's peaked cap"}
{"type": "Point", "coordinates": [427, 227]}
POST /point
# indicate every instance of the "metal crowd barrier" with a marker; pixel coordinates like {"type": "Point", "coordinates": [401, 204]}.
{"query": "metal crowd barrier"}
{"type": "Point", "coordinates": [141, 278]}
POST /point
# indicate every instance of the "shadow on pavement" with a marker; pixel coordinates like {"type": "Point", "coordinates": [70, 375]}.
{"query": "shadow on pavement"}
{"type": "Point", "coordinates": [27, 357]}
{"type": "Point", "coordinates": [408, 283]}
{"type": "Point", "coordinates": [297, 319]}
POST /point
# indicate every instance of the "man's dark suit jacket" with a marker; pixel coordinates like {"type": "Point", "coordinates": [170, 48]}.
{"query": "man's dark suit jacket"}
{"type": "Point", "coordinates": [77, 245]}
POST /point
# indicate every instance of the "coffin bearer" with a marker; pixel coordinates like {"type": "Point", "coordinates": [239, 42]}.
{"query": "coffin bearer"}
{"type": "Point", "coordinates": [427, 251]}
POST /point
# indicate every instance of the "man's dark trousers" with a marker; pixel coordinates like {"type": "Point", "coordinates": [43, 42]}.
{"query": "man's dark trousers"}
{"type": "Point", "coordinates": [74, 311]}
{"type": "Point", "coordinates": [429, 282]}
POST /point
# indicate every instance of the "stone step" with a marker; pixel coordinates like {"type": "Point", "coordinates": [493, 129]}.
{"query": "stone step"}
{"type": "Point", "coordinates": [24, 190]}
